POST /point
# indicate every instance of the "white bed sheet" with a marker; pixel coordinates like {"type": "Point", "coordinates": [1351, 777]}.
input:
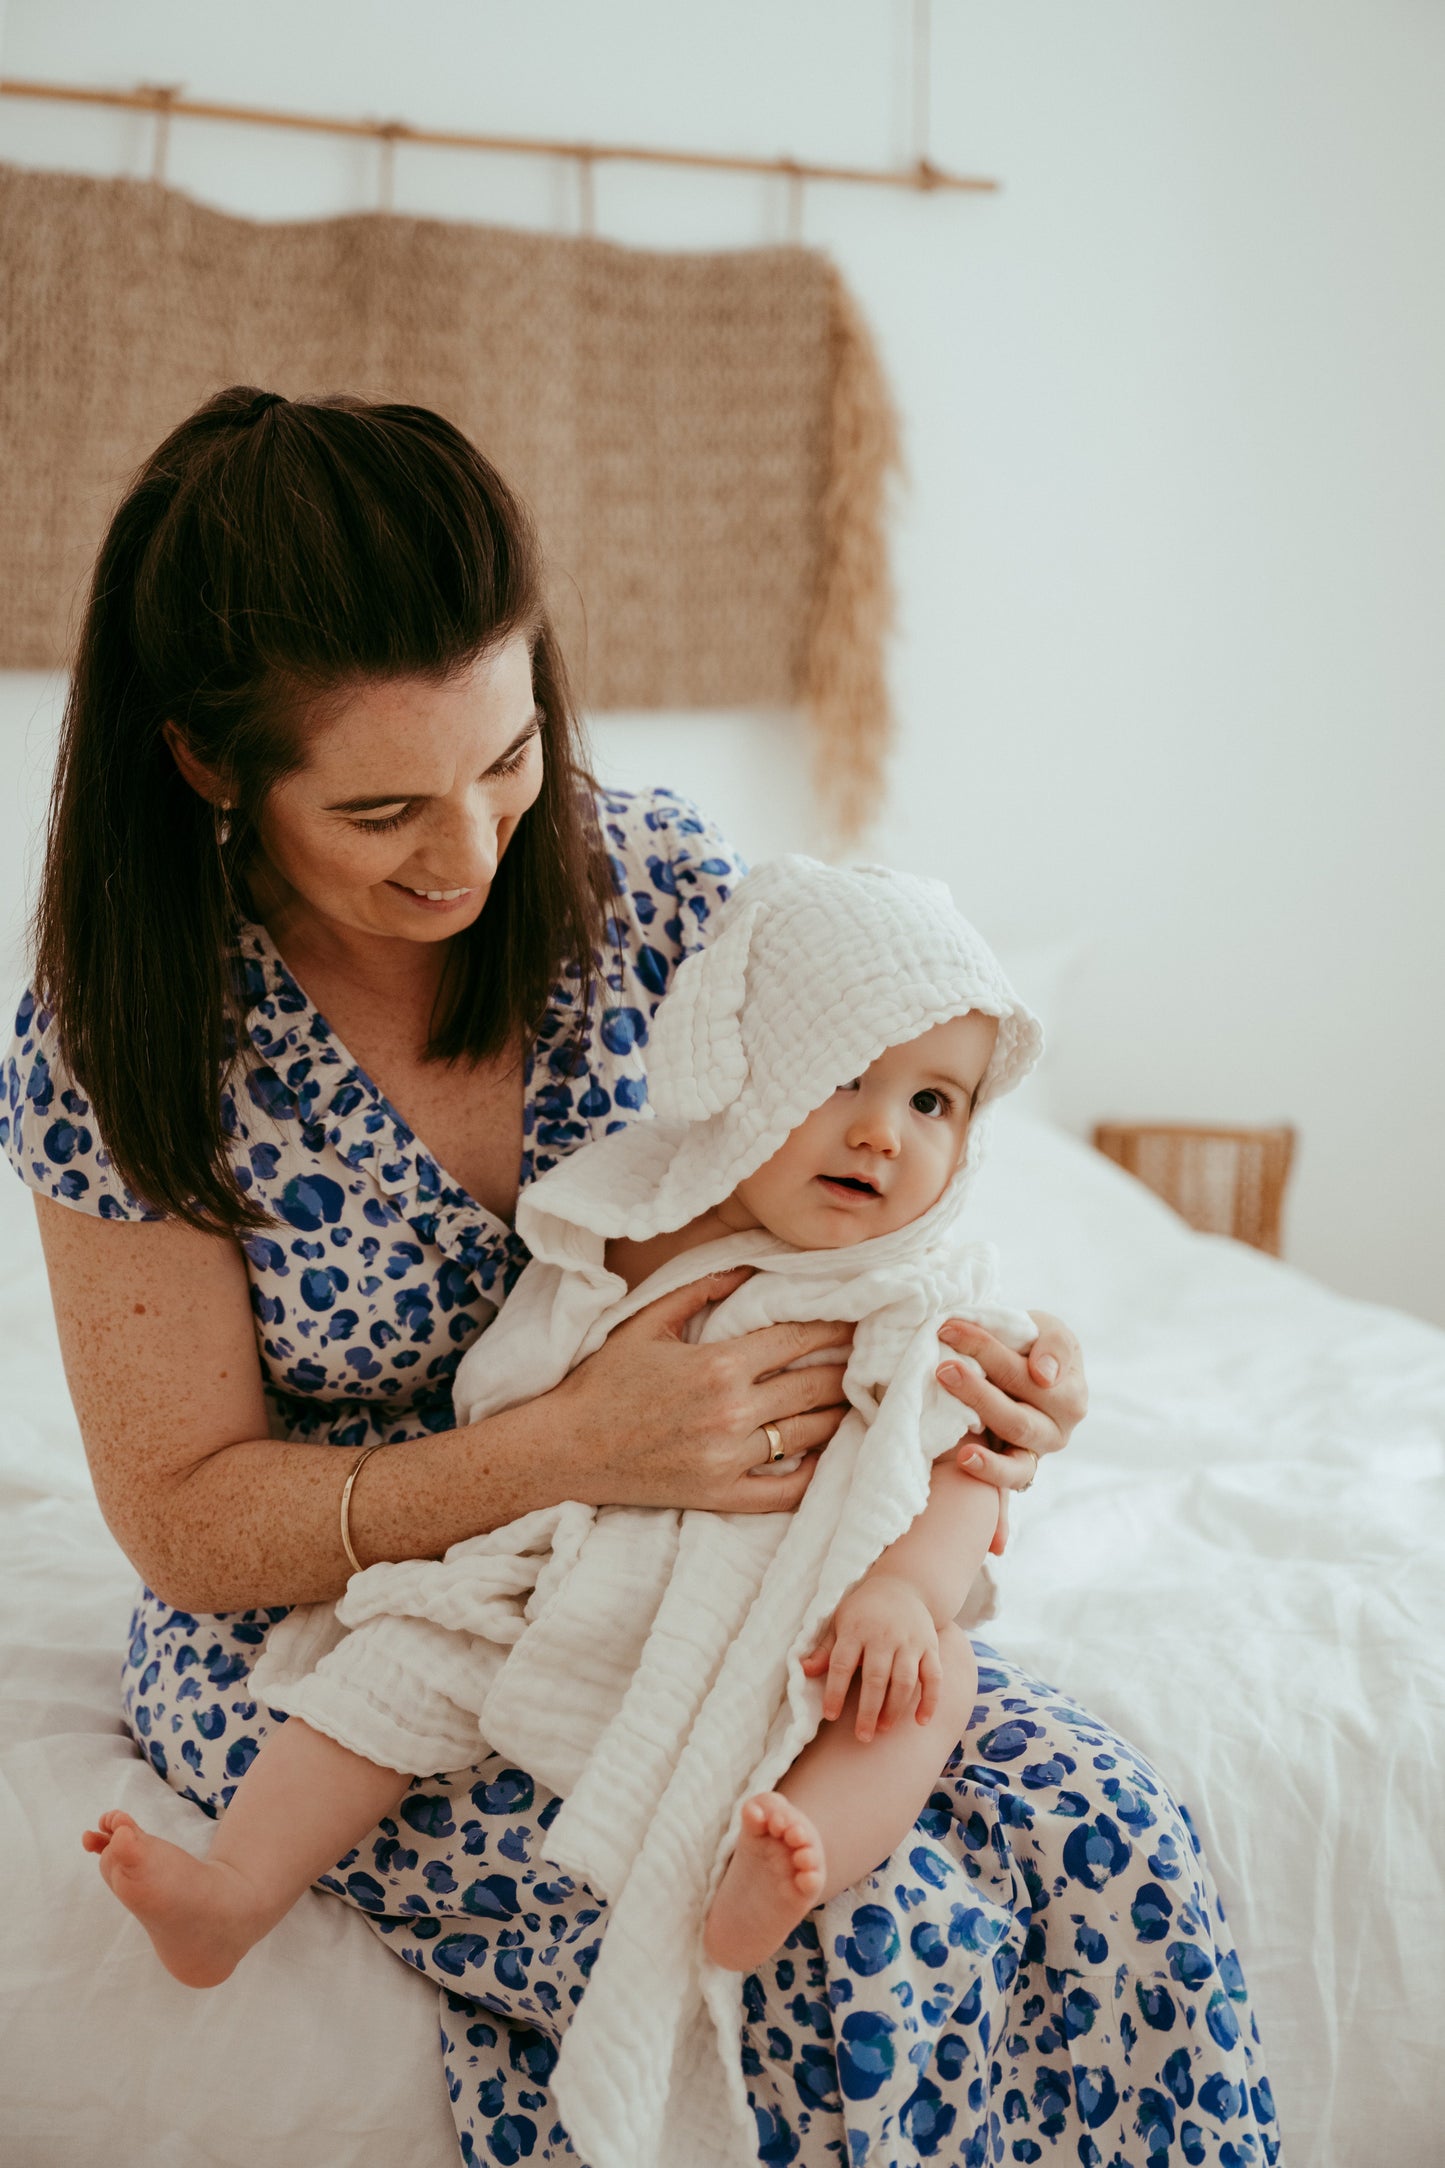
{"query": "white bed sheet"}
{"type": "Point", "coordinates": [1237, 1565]}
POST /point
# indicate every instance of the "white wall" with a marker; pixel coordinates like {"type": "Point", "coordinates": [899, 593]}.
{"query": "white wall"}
{"type": "Point", "coordinates": [1169, 664]}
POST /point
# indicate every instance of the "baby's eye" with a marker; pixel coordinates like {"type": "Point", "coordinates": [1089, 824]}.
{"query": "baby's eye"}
{"type": "Point", "coordinates": [852, 1086]}
{"type": "Point", "coordinates": [935, 1104]}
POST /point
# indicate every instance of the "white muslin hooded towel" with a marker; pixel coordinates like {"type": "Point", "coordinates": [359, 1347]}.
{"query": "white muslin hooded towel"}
{"type": "Point", "coordinates": [645, 1664]}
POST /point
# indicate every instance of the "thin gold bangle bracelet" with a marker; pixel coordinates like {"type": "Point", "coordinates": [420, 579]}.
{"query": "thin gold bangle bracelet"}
{"type": "Point", "coordinates": [346, 1489]}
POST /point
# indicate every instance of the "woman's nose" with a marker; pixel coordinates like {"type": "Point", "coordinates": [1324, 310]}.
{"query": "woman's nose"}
{"type": "Point", "coordinates": [469, 842]}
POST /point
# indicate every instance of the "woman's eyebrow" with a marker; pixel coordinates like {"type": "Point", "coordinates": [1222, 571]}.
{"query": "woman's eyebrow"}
{"type": "Point", "coordinates": [420, 797]}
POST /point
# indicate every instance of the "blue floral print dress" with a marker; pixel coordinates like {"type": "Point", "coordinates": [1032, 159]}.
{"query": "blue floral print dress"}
{"type": "Point", "coordinates": [1041, 1972]}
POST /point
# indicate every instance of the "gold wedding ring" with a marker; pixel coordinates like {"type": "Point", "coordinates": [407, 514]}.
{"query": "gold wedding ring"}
{"type": "Point", "coordinates": [775, 1442]}
{"type": "Point", "coordinates": [1033, 1456]}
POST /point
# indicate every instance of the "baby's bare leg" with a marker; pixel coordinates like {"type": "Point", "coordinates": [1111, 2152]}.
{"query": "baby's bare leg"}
{"type": "Point", "coordinates": [839, 1811]}
{"type": "Point", "coordinates": [303, 1802]}
{"type": "Point", "coordinates": [864, 1799]}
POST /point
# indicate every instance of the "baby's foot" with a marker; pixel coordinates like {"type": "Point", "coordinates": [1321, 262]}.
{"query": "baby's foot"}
{"type": "Point", "coordinates": [199, 1913]}
{"type": "Point", "coordinates": [772, 1879]}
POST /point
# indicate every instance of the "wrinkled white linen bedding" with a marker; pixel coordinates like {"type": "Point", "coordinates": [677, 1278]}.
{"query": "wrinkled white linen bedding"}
{"type": "Point", "coordinates": [1236, 1565]}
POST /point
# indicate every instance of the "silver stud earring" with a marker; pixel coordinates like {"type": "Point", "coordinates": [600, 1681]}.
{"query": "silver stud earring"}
{"type": "Point", "coordinates": [223, 825]}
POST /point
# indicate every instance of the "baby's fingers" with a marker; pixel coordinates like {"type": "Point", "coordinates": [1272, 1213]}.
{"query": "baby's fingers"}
{"type": "Point", "coordinates": [841, 1667]}
{"type": "Point", "coordinates": [904, 1688]}
{"type": "Point", "coordinates": [930, 1681]}
{"type": "Point", "coordinates": [877, 1671]}
{"type": "Point", "coordinates": [816, 1659]}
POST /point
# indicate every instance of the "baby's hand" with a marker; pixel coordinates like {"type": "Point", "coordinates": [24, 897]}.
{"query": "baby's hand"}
{"type": "Point", "coordinates": [885, 1625]}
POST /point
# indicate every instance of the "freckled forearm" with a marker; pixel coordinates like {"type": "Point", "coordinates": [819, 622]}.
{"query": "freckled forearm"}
{"type": "Point", "coordinates": [258, 1522]}
{"type": "Point", "coordinates": [159, 1344]}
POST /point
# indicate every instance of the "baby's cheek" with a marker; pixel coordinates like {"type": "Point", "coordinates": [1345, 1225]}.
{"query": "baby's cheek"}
{"type": "Point", "coordinates": [948, 1145]}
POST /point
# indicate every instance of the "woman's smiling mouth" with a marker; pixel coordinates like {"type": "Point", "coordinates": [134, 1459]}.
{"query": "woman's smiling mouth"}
{"type": "Point", "coordinates": [435, 899]}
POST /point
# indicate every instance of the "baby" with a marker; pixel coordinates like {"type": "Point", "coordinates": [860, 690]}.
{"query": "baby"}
{"type": "Point", "coordinates": [816, 1075]}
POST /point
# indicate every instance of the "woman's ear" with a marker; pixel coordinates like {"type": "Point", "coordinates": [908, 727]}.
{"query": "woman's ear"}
{"type": "Point", "coordinates": [203, 780]}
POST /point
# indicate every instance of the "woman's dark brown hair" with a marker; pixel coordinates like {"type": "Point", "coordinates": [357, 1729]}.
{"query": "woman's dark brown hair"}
{"type": "Point", "coordinates": [269, 554]}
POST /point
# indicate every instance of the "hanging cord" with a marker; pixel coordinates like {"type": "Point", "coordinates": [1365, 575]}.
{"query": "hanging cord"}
{"type": "Point", "coordinates": [793, 177]}
{"type": "Point", "coordinates": [387, 134]}
{"type": "Point", "coordinates": [926, 172]}
{"type": "Point", "coordinates": [161, 97]}
{"type": "Point", "coordinates": [586, 196]}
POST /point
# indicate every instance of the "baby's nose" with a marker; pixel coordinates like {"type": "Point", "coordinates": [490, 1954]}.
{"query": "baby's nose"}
{"type": "Point", "coordinates": [873, 1130]}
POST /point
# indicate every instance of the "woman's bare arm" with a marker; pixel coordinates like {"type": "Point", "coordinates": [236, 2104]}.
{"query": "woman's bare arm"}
{"type": "Point", "coordinates": [159, 1343]}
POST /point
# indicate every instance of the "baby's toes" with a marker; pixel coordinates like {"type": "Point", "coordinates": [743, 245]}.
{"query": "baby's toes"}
{"type": "Point", "coordinates": [805, 1863]}
{"type": "Point", "coordinates": [796, 1829]}
{"type": "Point", "coordinates": [797, 1834]}
{"type": "Point", "coordinates": [97, 1839]}
{"type": "Point", "coordinates": [766, 1814]}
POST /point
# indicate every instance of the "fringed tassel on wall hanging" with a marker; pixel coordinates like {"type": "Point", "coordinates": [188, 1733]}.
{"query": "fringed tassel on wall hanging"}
{"type": "Point", "coordinates": [846, 686]}
{"type": "Point", "coordinates": [706, 440]}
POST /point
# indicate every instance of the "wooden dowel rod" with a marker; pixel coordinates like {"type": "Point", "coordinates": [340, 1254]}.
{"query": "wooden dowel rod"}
{"type": "Point", "coordinates": [922, 176]}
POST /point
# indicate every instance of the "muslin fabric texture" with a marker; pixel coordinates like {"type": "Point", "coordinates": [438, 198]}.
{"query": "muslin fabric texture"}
{"type": "Point", "coordinates": [1046, 1950]}
{"type": "Point", "coordinates": [706, 439]}
{"type": "Point", "coordinates": [645, 1664]}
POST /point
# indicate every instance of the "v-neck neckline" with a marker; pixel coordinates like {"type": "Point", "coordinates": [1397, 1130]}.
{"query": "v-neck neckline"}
{"type": "Point", "coordinates": [458, 1198]}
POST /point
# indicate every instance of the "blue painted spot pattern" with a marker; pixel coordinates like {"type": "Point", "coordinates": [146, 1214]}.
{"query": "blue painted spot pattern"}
{"type": "Point", "coordinates": [1041, 1971]}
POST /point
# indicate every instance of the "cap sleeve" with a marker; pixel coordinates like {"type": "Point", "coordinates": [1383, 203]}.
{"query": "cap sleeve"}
{"type": "Point", "coordinates": [46, 1131]}
{"type": "Point", "coordinates": [677, 864]}
{"type": "Point", "coordinates": [705, 867]}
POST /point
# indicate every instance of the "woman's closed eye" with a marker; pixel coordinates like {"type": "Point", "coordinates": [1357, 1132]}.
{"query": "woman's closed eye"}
{"type": "Point", "coordinates": [517, 756]}
{"type": "Point", "coordinates": [503, 768]}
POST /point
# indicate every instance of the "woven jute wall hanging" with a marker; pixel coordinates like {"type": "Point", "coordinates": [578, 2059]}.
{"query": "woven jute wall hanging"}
{"type": "Point", "coordinates": [706, 440]}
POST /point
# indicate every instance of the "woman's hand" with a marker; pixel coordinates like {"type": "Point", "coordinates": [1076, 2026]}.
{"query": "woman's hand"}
{"type": "Point", "coordinates": [1029, 1404]}
{"type": "Point", "coordinates": [654, 1421]}
{"type": "Point", "coordinates": [884, 1625]}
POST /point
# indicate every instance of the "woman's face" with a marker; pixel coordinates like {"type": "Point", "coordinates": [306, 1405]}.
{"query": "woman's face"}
{"type": "Point", "coordinates": [411, 791]}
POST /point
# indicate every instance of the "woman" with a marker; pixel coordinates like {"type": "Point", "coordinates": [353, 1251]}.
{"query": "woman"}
{"type": "Point", "coordinates": [320, 799]}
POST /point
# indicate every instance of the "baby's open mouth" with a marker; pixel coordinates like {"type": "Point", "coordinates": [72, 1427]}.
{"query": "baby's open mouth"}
{"type": "Point", "coordinates": [855, 1184]}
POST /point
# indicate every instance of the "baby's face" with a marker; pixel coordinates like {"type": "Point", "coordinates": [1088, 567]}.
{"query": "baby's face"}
{"type": "Point", "coordinates": [881, 1151]}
